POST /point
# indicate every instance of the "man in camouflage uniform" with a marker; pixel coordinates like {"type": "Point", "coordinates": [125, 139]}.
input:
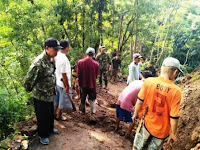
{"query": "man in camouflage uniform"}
{"type": "Point", "coordinates": [104, 63]}
{"type": "Point", "coordinates": [41, 80]}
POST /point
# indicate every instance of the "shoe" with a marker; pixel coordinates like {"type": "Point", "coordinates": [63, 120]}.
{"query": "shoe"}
{"type": "Point", "coordinates": [55, 131]}
{"type": "Point", "coordinates": [82, 108]}
{"type": "Point", "coordinates": [44, 141]}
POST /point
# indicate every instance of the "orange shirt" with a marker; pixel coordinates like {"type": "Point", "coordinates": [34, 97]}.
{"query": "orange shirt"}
{"type": "Point", "coordinates": [163, 99]}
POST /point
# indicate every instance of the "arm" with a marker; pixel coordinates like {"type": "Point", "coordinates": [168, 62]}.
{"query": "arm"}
{"type": "Point", "coordinates": [138, 107]}
{"type": "Point", "coordinates": [65, 82]}
{"type": "Point", "coordinates": [31, 78]}
{"type": "Point", "coordinates": [174, 126]}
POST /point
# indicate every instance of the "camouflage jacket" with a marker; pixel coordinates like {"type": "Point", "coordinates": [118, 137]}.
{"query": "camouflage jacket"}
{"type": "Point", "coordinates": [40, 78]}
{"type": "Point", "coordinates": [103, 60]}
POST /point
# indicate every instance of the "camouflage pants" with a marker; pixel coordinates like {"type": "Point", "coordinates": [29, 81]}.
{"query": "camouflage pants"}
{"type": "Point", "coordinates": [104, 74]}
{"type": "Point", "coordinates": [145, 141]}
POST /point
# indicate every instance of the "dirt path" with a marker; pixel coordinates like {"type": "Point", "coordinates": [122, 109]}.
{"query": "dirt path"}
{"type": "Point", "coordinates": [77, 133]}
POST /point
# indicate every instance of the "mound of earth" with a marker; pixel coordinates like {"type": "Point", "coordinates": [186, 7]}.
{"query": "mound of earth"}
{"type": "Point", "coordinates": [189, 124]}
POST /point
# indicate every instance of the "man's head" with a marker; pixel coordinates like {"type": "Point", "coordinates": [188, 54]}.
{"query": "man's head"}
{"type": "Point", "coordinates": [90, 51]}
{"type": "Point", "coordinates": [65, 45]}
{"type": "Point", "coordinates": [152, 63]}
{"type": "Point", "coordinates": [136, 57]}
{"type": "Point", "coordinates": [102, 49]}
{"type": "Point", "coordinates": [146, 74]}
{"type": "Point", "coordinates": [52, 46]}
{"type": "Point", "coordinates": [143, 59]}
{"type": "Point", "coordinates": [170, 68]}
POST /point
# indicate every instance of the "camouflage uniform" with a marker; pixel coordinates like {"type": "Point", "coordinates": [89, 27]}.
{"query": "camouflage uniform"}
{"type": "Point", "coordinates": [104, 61]}
{"type": "Point", "coordinates": [40, 79]}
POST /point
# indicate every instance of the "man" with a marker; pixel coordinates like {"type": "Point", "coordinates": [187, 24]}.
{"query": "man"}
{"type": "Point", "coordinates": [151, 68]}
{"type": "Point", "coordinates": [87, 70]}
{"type": "Point", "coordinates": [116, 63]}
{"type": "Point", "coordinates": [134, 69]}
{"type": "Point", "coordinates": [163, 98]}
{"type": "Point", "coordinates": [63, 82]}
{"type": "Point", "coordinates": [41, 80]}
{"type": "Point", "coordinates": [104, 62]}
{"type": "Point", "coordinates": [126, 102]}
{"type": "Point", "coordinates": [116, 52]}
{"type": "Point", "coordinates": [143, 64]}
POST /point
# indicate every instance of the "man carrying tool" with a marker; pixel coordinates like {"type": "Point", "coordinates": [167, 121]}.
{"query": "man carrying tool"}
{"type": "Point", "coordinates": [162, 97]}
{"type": "Point", "coordinates": [87, 70]}
{"type": "Point", "coordinates": [104, 63]}
{"type": "Point", "coordinates": [63, 82]}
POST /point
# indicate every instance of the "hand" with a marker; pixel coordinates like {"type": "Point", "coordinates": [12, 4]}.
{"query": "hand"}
{"type": "Point", "coordinates": [171, 139]}
{"type": "Point", "coordinates": [134, 118]}
{"type": "Point", "coordinates": [67, 89]}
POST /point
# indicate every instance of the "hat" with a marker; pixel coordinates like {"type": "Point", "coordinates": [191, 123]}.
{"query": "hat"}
{"type": "Point", "coordinates": [172, 62]}
{"type": "Point", "coordinates": [52, 42]}
{"type": "Point", "coordinates": [137, 55]}
{"type": "Point", "coordinates": [90, 50]}
{"type": "Point", "coordinates": [64, 43]}
{"type": "Point", "coordinates": [103, 47]}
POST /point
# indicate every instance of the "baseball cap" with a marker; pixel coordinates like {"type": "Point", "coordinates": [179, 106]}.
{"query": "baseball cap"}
{"type": "Point", "coordinates": [64, 43]}
{"type": "Point", "coordinates": [52, 42]}
{"type": "Point", "coordinates": [90, 50]}
{"type": "Point", "coordinates": [103, 47]}
{"type": "Point", "coordinates": [172, 62]}
{"type": "Point", "coordinates": [137, 55]}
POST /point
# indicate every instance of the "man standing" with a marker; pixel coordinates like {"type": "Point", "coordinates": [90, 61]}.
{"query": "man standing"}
{"type": "Point", "coordinates": [151, 68]}
{"type": "Point", "coordinates": [143, 64]}
{"type": "Point", "coordinates": [63, 82]}
{"type": "Point", "coordinates": [104, 62]}
{"type": "Point", "coordinates": [41, 80]}
{"type": "Point", "coordinates": [163, 98]}
{"type": "Point", "coordinates": [87, 70]}
{"type": "Point", "coordinates": [116, 63]}
{"type": "Point", "coordinates": [134, 69]}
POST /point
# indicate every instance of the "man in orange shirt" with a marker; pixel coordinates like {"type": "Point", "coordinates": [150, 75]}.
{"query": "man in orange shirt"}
{"type": "Point", "coordinates": [163, 98]}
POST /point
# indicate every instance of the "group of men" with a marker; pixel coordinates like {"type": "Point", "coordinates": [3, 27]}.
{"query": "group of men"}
{"type": "Point", "coordinates": [160, 95]}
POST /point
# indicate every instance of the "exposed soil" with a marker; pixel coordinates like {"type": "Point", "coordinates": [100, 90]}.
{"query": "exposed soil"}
{"type": "Point", "coordinates": [189, 123]}
{"type": "Point", "coordinates": [78, 133]}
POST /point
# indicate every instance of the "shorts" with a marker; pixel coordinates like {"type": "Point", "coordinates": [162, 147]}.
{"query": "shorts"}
{"type": "Point", "coordinates": [123, 114]}
{"type": "Point", "coordinates": [92, 94]}
{"type": "Point", "coordinates": [145, 141]}
{"type": "Point", "coordinates": [62, 99]}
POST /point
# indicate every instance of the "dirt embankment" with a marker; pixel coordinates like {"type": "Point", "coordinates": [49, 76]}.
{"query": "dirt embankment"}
{"type": "Point", "coordinates": [189, 123]}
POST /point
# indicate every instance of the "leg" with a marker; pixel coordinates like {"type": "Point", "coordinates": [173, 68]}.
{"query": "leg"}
{"type": "Point", "coordinates": [92, 99]}
{"type": "Point", "coordinates": [83, 98]}
{"type": "Point", "coordinates": [93, 106]}
{"type": "Point", "coordinates": [117, 124]}
{"type": "Point", "coordinates": [51, 117]}
{"type": "Point", "coordinates": [100, 78]}
{"type": "Point", "coordinates": [42, 114]}
{"type": "Point", "coordinates": [105, 76]}
{"type": "Point", "coordinates": [155, 144]}
{"type": "Point", "coordinates": [130, 127]}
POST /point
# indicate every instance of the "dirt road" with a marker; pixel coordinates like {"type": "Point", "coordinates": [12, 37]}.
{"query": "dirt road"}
{"type": "Point", "coordinates": [78, 133]}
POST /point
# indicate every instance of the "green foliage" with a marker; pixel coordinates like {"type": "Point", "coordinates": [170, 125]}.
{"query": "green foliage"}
{"type": "Point", "coordinates": [195, 76]}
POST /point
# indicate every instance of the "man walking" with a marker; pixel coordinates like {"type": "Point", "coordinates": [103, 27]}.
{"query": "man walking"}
{"type": "Point", "coordinates": [87, 70]}
{"type": "Point", "coordinates": [134, 69]}
{"type": "Point", "coordinates": [162, 97]}
{"type": "Point", "coordinates": [63, 82]}
{"type": "Point", "coordinates": [116, 64]}
{"type": "Point", "coordinates": [41, 80]}
{"type": "Point", "coordinates": [104, 63]}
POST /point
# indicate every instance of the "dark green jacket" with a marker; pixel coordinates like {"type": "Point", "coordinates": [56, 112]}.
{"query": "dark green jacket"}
{"type": "Point", "coordinates": [103, 60]}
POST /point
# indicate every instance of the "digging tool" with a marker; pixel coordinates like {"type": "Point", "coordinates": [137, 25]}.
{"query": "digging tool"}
{"type": "Point", "coordinates": [73, 106]}
{"type": "Point", "coordinates": [142, 119]}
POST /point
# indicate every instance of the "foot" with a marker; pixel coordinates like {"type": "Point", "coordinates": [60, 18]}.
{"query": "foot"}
{"type": "Point", "coordinates": [92, 117]}
{"type": "Point", "coordinates": [82, 108]}
{"type": "Point", "coordinates": [129, 137]}
{"type": "Point", "coordinates": [44, 141]}
{"type": "Point", "coordinates": [77, 97]}
{"type": "Point", "coordinates": [106, 88]}
{"type": "Point", "coordinates": [55, 131]}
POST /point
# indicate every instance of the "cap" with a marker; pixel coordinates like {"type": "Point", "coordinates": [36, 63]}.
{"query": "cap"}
{"type": "Point", "coordinates": [137, 55]}
{"type": "Point", "coordinates": [172, 62]}
{"type": "Point", "coordinates": [103, 47]}
{"type": "Point", "coordinates": [64, 43]}
{"type": "Point", "coordinates": [90, 50]}
{"type": "Point", "coordinates": [52, 42]}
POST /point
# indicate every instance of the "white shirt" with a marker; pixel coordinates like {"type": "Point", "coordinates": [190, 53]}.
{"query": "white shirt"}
{"type": "Point", "coordinates": [134, 72]}
{"type": "Point", "coordinates": [62, 66]}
